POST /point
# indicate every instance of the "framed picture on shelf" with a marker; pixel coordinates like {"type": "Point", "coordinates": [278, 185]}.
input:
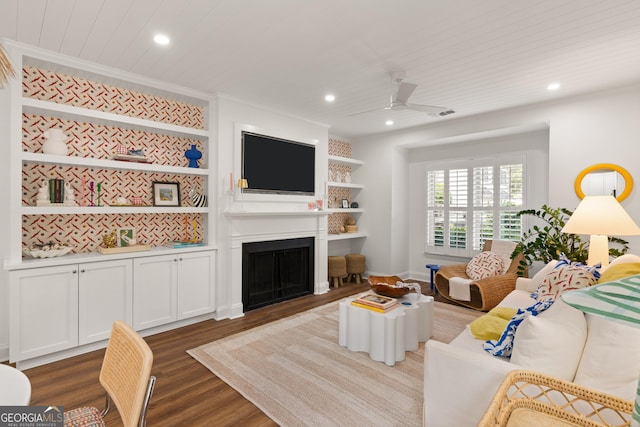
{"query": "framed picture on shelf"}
{"type": "Point", "coordinates": [166, 194]}
{"type": "Point", "coordinates": [345, 204]}
{"type": "Point", "coordinates": [126, 237]}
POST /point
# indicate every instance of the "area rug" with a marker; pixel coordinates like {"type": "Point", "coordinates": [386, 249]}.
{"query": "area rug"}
{"type": "Point", "coordinates": [294, 371]}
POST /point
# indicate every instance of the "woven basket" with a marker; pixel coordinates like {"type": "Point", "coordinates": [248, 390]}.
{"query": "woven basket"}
{"type": "Point", "coordinates": [382, 285]}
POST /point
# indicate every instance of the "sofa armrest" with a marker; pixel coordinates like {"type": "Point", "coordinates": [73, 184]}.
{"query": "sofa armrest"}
{"type": "Point", "coordinates": [525, 284]}
{"type": "Point", "coordinates": [459, 384]}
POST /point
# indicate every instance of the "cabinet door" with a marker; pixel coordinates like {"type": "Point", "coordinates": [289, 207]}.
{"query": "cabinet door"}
{"type": "Point", "coordinates": [105, 295]}
{"type": "Point", "coordinates": [154, 290]}
{"type": "Point", "coordinates": [196, 283]}
{"type": "Point", "coordinates": [44, 311]}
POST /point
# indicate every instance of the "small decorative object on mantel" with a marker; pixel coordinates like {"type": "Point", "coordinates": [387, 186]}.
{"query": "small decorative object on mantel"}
{"type": "Point", "coordinates": [55, 143]}
{"type": "Point", "coordinates": [393, 286]}
{"type": "Point", "coordinates": [109, 240]}
{"type": "Point", "coordinates": [354, 205]}
{"type": "Point", "coordinates": [193, 155]}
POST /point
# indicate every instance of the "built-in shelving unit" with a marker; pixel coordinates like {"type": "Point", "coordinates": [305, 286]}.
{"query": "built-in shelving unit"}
{"type": "Point", "coordinates": [352, 189]}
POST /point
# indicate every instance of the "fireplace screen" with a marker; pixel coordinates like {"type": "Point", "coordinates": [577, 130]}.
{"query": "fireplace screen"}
{"type": "Point", "coordinates": [276, 271]}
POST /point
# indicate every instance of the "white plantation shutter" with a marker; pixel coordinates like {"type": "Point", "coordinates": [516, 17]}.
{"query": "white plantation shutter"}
{"type": "Point", "coordinates": [481, 203]}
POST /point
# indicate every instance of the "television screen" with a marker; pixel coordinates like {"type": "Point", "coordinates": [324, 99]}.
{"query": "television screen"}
{"type": "Point", "coordinates": [277, 166]}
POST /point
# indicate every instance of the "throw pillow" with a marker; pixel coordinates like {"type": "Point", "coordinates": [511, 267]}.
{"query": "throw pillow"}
{"type": "Point", "coordinates": [491, 325]}
{"type": "Point", "coordinates": [619, 271]}
{"type": "Point", "coordinates": [483, 265]}
{"type": "Point", "coordinates": [611, 357]}
{"type": "Point", "coordinates": [551, 342]}
{"type": "Point", "coordinates": [593, 269]}
{"type": "Point", "coordinates": [504, 345]}
{"type": "Point", "coordinates": [562, 279]}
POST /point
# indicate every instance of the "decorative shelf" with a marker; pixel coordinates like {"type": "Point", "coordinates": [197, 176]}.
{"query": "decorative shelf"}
{"type": "Point", "coordinates": [62, 111]}
{"type": "Point", "coordinates": [108, 164]}
{"type": "Point", "coordinates": [345, 185]}
{"type": "Point", "coordinates": [76, 258]}
{"type": "Point", "coordinates": [274, 213]}
{"type": "Point", "coordinates": [346, 210]}
{"type": "Point", "coordinates": [346, 236]}
{"type": "Point", "coordinates": [345, 160]}
{"type": "Point", "coordinates": [89, 210]}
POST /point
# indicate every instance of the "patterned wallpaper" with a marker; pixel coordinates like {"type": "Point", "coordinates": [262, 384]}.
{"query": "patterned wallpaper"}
{"type": "Point", "coordinates": [78, 92]}
{"type": "Point", "coordinates": [342, 148]}
{"type": "Point", "coordinates": [101, 141]}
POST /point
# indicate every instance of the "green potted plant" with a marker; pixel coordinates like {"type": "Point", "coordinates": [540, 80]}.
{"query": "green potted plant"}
{"type": "Point", "coordinates": [545, 241]}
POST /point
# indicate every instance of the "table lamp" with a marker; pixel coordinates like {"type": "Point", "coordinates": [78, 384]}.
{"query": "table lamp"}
{"type": "Point", "coordinates": [619, 301]}
{"type": "Point", "coordinates": [600, 217]}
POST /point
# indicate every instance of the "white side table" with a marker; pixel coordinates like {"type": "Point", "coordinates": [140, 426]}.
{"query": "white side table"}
{"type": "Point", "coordinates": [386, 336]}
{"type": "Point", "coordinates": [15, 388]}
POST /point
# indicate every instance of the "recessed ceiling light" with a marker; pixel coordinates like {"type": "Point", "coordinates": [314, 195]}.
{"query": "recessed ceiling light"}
{"type": "Point", "coordinates": [161, 39]}
{"type": "Point", "coordinates": [389, 123]}
{"type": "Point", "coordinates": [553, 86]}
{"type": "Point", "coordinates": [330, 97]}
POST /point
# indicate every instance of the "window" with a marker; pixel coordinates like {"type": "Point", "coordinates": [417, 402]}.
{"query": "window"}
{"type": "Point", "coordinates": [469, 202]}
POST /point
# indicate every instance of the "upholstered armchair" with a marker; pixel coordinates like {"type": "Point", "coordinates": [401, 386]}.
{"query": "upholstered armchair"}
{"type": "Point", "coordinates": [482, 294]}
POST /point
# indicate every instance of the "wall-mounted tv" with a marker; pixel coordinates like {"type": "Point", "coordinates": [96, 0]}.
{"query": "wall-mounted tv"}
{"type": "Point", "coordinates": [277, 166]}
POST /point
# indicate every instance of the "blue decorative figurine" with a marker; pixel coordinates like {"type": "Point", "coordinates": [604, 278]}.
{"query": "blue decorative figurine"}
{"type": "Point", "coordinates": [193, 155]}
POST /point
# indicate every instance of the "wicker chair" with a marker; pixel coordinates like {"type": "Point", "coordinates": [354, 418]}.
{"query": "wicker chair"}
{"type": "Point", "coordinates": [126, 377]}
{"type": "Point", "coordinates": [533, 399]}
{"type": "Point", "coordinates": [485, 293]}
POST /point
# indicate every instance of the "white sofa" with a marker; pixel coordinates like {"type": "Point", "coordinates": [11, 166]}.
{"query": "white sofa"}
{"type": "Point", "coordinates": [461, 378]}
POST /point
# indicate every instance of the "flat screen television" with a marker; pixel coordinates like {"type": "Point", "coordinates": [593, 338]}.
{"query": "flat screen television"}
{"type": "Point", "coordinates": [277, 166]}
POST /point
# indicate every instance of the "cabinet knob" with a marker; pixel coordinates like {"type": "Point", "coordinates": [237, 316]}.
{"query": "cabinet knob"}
{"type": "Point", "coordinates": [83, 270]}
{"type": "Point", "coordinates": [180, 259]}
{"type": "Point", "coordinates": [74, 271]}
{"type": "Point", "coordinates": [175, 260]}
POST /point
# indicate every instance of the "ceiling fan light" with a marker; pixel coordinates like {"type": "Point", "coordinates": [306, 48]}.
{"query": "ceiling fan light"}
{"type": "Point", "coordinates": [161, 39]}
{"type": "Point", "coordinates": [329, 97]}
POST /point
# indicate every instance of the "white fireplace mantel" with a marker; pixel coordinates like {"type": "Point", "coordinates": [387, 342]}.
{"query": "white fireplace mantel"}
{"type": "Point", "coordinates": [261, 226]}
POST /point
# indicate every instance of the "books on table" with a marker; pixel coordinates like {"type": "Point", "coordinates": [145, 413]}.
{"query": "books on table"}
{"type": "Point", "coordinates": [375, 302]}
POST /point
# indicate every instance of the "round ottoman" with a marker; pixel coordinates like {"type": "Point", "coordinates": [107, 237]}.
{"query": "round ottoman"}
{"type": "Point", "coordinates": [337, 270]}
{"type": "Point", "coordinates": [356, 266]}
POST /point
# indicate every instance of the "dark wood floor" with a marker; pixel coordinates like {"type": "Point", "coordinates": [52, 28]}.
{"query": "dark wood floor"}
{"type": "Point", "coordinates": [186, 392]}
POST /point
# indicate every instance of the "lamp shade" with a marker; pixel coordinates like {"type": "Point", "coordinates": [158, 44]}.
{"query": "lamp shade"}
{"type": "Point", "coordinates": [602, 215]}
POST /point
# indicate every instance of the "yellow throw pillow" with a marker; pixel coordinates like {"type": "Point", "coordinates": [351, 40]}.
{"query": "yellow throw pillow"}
{"type": "Point", "coordinates": [620, 271]}
{"type": "Point", "coordinates": [491, 325]}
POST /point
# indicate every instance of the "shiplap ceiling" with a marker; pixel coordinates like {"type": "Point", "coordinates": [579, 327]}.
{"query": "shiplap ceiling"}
{"type": "Point", "coordinates": [472, 56]}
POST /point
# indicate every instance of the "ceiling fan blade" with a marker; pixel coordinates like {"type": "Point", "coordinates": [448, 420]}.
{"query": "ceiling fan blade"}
{"type": "Point", "coordinates": [404, 92]}
{"type": "Point", "coordinates": [427, 108]}
{"type": "Point", "coordinates": [369, 111]}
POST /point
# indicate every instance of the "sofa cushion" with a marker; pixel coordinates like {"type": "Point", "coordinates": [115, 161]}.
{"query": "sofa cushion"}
{"type": "Point", "coordinates": [491, 325]}
{"type": "Point", "coordinates": [483, 265]}
{"type": "Point", "coordinates": [551, 342]}
{"type": "Point", "coordinates": [562, 279]}
{"type": "Point", "coordinates": [611, 357]}
{"type": "Point", "coordinates": [619, 271]}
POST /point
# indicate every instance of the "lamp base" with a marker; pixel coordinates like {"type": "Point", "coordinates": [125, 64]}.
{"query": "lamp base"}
{"type": "Point", "coordinates": [598, 250]}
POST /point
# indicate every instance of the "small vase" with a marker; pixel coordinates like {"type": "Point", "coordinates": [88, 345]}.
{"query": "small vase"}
{"type": "Point", "coordinates": [193, 155]}
{"type": "Point", "coordinates": [55, 143]}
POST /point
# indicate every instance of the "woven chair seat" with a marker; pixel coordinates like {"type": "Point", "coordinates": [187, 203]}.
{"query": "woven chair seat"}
{"type": "Point", "coordinates": [86, 416]}
{"type": "Point", "coordinates": [485, 293]}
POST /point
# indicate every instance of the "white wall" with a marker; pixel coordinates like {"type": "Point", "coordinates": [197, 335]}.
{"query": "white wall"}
{"type": "Point", "coordinates": [600, 127]}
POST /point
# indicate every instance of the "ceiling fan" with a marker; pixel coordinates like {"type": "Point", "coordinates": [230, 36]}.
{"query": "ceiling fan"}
{"type": "Point", "coordinates": [399, 102]}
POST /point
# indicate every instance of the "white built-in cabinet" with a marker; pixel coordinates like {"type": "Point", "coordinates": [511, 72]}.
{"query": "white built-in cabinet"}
{"type": "Point", "coordinates": [57, 308]}
{"type": "Point", "coordinates": [172, 287]}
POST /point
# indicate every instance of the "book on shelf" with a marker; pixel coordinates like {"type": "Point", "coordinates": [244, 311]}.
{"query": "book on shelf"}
{"type": "Point", "coordinates": [184, 244]}
{"type": "Point", "coordinates": [372, 308]}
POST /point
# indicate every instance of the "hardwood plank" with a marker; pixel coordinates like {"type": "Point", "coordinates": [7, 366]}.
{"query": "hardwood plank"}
{"type": "Point", "coordinates": [186, 392]}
